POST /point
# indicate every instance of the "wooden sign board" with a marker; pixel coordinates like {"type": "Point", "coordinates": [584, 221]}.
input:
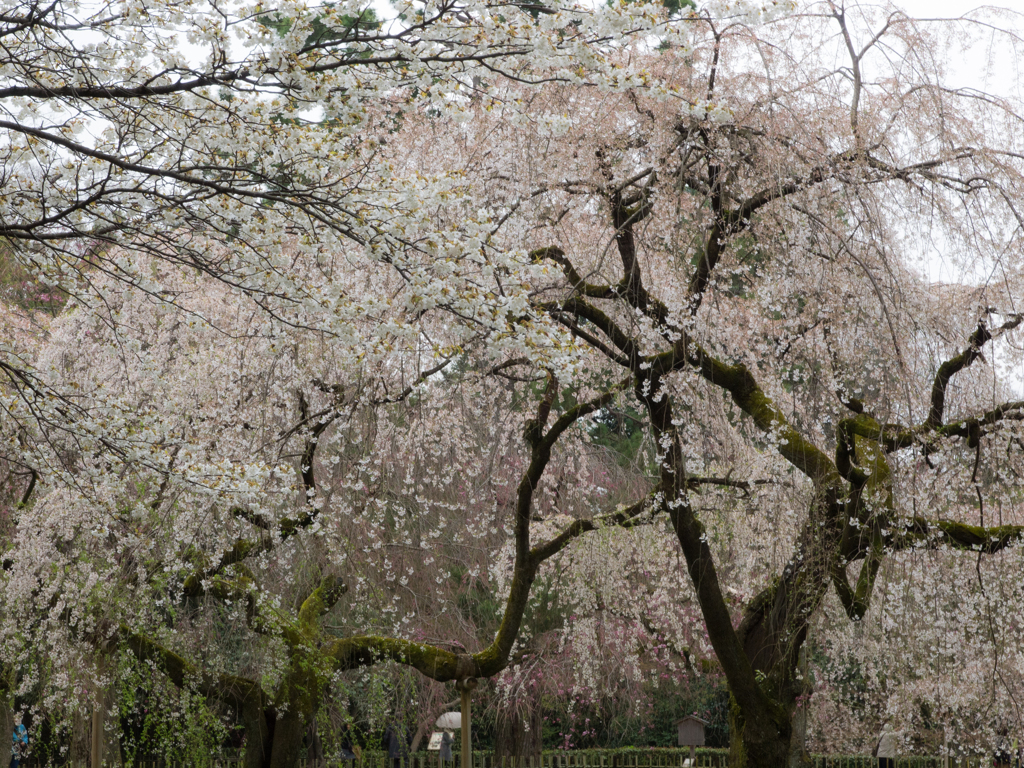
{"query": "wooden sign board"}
{"type": "Point", "coordinates": [691, 731]}
{"type": "Point", "coordinates": [435, 741]}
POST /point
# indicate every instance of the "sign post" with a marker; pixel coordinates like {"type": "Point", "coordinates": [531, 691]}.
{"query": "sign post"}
{"type": "Point", "coordinates": [691, 734]}
{"type": "Point", "coordinates": [466, 686]}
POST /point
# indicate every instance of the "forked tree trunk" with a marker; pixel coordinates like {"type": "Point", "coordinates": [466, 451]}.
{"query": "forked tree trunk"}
{"type": "Point", "coordinates": [272, 741]}
{"type": "Point", "coordinates": [765, 735]}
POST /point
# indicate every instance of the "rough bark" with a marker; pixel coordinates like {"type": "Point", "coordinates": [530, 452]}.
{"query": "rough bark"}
{"type": "Point", "coordinates": [518, 732]}
{"type": "Point", "coordinates": [287, 742]}
{"type": "Point", "coordinates": [259, 731]}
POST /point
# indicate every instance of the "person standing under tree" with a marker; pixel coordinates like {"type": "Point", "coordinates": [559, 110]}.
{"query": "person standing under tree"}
{"type": "Point", "coordinates": [19, 743]}
{"type": "Point", "coordinates": [885, 750]}
{"type": "Point", "coordinates": [446, 748]}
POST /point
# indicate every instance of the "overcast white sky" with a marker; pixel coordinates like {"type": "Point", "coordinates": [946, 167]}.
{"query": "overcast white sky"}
{"type": "Point", "coordinates": [971, 68]}
{"type": "Point", "coordinates": [992, 65]}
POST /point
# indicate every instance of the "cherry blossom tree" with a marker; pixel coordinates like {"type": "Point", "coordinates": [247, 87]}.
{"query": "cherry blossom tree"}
{"type": "Point", "coordinates": [252, 146]}
{"type": "Point", "coordinates": [385, 242]}
{"type": "Point", "coordinates": [305, 506]}
{"type": "Point", "coordinates": [747, 253]}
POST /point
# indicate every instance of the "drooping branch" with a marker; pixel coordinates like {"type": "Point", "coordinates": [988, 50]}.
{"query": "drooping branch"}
{"type": "Point", "coordinates": [443, 665]}
{"type": "Point", "coordinates": [953, 366]}
{"type": "Point", "coordinates": [230, 689]}
{"type": "Point", "coordinates": [437, 663]}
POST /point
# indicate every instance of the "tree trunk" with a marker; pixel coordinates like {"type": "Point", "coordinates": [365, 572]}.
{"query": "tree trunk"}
{"type": "Point", "coordinates": [287, 744]}
{"type": "Point", "coordinates": [798, 755]}
{"type": "Point", "coordinates": [272, 741]}
{"type": "Point", "coordinates": [518, 731]}
{"type": "Point", "coordinates": [259, 724]}
{"type": "Point", "coordinates": [758, 741]}
{"type": "Point", "coordinates": [96, 734]}
{"type": "Point", "coordinates": [466, 689]}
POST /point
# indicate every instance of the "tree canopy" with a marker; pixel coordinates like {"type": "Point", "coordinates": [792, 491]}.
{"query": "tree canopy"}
{"type": "Point", "coordinates": [335, 337]}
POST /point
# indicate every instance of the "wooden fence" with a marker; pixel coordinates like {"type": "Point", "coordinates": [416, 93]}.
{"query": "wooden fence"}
{"type": "Point", "coordinates": [661, 758]}
{"type": "Point", "coordinates": [706, 758]}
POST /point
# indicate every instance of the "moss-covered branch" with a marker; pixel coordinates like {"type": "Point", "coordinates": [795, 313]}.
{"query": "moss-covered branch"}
{"type": "Point", "coordinates": [241, 590]}
{"type": "Point", "coordinates": [857, 601]}
{"type": "Point", "coordinates": [739, 382]}
{"type": "Point", "coordinates": [863, 459]}
{"type": "Point", "coordinates": [239, 552]}
{"type": "Point", "coordinates": [921, 533]}
{"type": "Point", "coordinates": [951, 367]}
{"type": "Point", "coordinates": [444, 665]}
{"type": "Point", "coordinates": [244, 548]}
{"type": "Point", "coordinates": [320, 601]}
{"type": "Point", "coordinates": [973, 428]}
{"type": "Point", "coordinates": [915, 533]}
{"type": "Point", "coordinates": [436, 663]}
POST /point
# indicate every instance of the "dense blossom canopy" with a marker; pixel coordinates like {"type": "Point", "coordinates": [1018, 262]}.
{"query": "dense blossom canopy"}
{"type": "Point", "coordinates": [363, 320]}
